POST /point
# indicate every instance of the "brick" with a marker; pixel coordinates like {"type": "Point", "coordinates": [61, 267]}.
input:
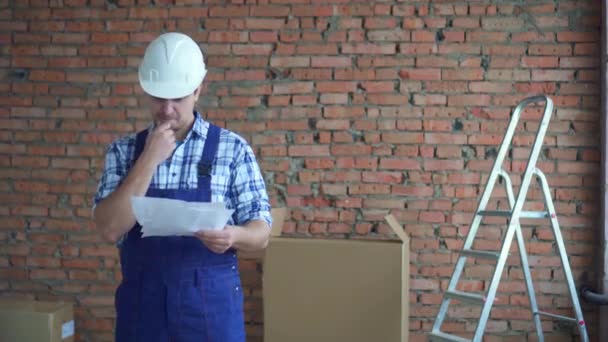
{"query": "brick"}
{"type": "Point", "coordinates": [143, 13]}
{"type": "Point", "coordinates": [420, 48]}
{"type": "Point", "coordinates": [430, 99]}
{"type": "Point", "coordinates": [486, 37]}
{"type": "Point", "coordinates": [355, 10]}
{"type": "Point", "coordinates": [312, 11]}
{"type": "Point", "coordinates": [539, 62]}
{"type": "Point", "coordinates": [436, 62]}
{"type": "Point", "coordinates": [362, 48]}
{"type": "Point", "coordinates": [552, 75]}
{"type": "Point", "coordinates": [403, 10]}
{"type": "Point", "coordinates": [387, 99]}
{"type": "Point", "coordinates": [30, 38]}
{"type": "Point", "coordinates": [109, 38]}
{"type": "Point", "coordinates": [462, 74]}
{"type": "Point", "coordinates": [377, 87]}
{"type": "Point", "coordinates": [502, 24]}
{"type": "Point", "coordinates": [308, 151]}
{"type": "Point", "coordinates": [263, 37]}
{"type": "Point", "coordinates": [423, 36]}
{"type": "Point", "coordinates": [399, 164]}
{"type": "Point", "coordinates": [577, 37]}
{"type": "Point", "coordinates": [586, 49]}
{"type": "Point", "coordinates": [441, 138]}
{"type": "Point", "coordinates": [490, 87]}
{"type": "Point", "coordinates": [251, 49]}
{"type": "Point", "coordinates": [269, 11]}
{"type": "Point", "coordinates": [293, 88]}
{"type": "Point", "coordinates": [317, 49]}
{"type": "Point", "coordinates": [44, 274]}
{"type": "Point", "coordinates": [187, 12]}
{"type": "Point", "coordinates": [124, 25]}
{"type": "Point", "coordinates": [411, 23]}
{"type": "Point", "coordinates": [379, 23]}
{"type": "Point", "coordinates": [32, 14]}
{"type": "Point", "coordinates": [29, 62]}
{"type": "Point", "coordinates": [333, 99]}
{"type": "Point", "coordinates": [578, 62]}
{"type": "Point", "coordinates": [435, 22]}
{"type": "Point", "coordinates": [264, 24]}
{"type": "Point", "coordinates": [330, 62]}
{"type": "Point", "coordinates": [420, 74]}
{"type": "Point", "coordinates": [466, 22]}
{"type": "Point", "coordinates": [468, 100]}
{"type": "Point", "coordinates": [504, 75]}
{"type": "Point", "coordinates": [336, 87]}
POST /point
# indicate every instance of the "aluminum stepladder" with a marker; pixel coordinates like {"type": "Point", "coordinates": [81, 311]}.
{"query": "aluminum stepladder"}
{"type": "Point", "coordinates": [513, 228]}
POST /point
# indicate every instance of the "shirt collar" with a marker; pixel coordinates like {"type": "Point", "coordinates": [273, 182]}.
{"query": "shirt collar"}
{"type": "Point", "coordinates": [200, 126]}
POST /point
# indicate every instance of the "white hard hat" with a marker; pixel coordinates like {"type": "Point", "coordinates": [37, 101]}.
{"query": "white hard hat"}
{"type": "Point", "coordinates": [172, 67]}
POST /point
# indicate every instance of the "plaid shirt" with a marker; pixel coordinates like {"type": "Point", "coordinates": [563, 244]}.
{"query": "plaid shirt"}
{"type": "Point", "coordinates": [236, 179]}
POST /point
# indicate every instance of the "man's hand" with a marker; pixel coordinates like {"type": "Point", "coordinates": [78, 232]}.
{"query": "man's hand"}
{"type": "Point", "coordinates": [160, 143]}
{"type": "Point", "coordinates": [219, 241]}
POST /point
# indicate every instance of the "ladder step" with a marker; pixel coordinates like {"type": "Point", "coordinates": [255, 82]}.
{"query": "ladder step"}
{"type": "Point", "coordinates": [441, 336]}
{"type": "Point", "coordinates": [465, 296]}
{"type": "Point", "coordinates": [507, 213]}
{"type": "Point", "coordinates": [480, 254]}
{"type": "Point", "coordinates": [563, 318]}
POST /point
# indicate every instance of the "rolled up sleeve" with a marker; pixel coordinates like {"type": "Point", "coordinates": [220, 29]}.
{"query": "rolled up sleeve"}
{"type": "Point", "coordinates": [249, 189]}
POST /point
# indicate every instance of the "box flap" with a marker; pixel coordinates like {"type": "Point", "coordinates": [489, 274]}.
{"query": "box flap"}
{"type": "Point", "coordinates": [278, 218]}
{"type": "Point", "coordinates": [29, 305]}
{"type": "Point", "coordinates": [396, 227]}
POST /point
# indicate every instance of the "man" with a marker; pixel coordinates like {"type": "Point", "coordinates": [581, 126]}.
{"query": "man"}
{"type": "Point", "coordinates": [180, 288]}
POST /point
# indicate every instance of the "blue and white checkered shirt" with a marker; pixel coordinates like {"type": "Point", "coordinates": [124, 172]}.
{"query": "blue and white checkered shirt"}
{"type": "Point", "coordinates": [236, 179]}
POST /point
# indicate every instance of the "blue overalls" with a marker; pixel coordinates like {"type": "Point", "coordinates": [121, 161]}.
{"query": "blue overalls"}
{"type": "Point", "coordinates": [174, 289]}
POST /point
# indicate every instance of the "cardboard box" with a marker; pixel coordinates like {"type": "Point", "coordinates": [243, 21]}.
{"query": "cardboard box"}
{"type": "Point", "coordinates": [336, 290]}
{"type": "Point", "coordinates": [24, 320]}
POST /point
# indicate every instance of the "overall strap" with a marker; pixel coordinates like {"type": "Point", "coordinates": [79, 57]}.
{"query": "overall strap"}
{"type": "Point", "coordinates": [209, 151]}
{"type": "Point", "coordinates": [140, 142]}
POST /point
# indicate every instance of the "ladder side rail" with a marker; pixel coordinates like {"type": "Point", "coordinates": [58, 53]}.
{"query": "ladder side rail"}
{"type": "Point", "coordinates": [455, 278]}
{"type": "Point", "coordinates": [491, 294]}
{"type": "Point", "coordinates": [563, 255]}
{"type": "Point", "coordinates": [497, 167]}
{"type": "Point", "coordinates": [459, 267]}
{"type": "Point", "coordinates": [525, 265]}
{"type": "Point", "coordinates": [534, 152]}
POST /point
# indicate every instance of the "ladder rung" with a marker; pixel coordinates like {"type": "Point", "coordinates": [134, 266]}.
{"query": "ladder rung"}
{"type": "Point", "coordinates": [480, 254]}
{"type": "Point", "coordinates": [465, 296]}
{"type": "Point", "coordinates": [494, 213]}
{"type": "Point", "coordinates": [507, 213]}
{"type": "Point", "coordinates": [564, 318]}
{"type": "Point", "coordinates": [441, 336]}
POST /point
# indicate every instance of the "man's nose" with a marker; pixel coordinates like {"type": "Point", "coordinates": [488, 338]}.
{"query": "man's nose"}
{"type": "Point", "coordinates": [166, 107]}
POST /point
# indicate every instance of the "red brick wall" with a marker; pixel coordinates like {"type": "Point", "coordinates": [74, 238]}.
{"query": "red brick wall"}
{"type": "Point", "coordinates": [355, 108]}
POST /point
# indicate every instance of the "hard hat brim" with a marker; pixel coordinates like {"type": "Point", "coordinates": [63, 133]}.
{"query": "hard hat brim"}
{"type": "Point", "coordinates": [167, 91]}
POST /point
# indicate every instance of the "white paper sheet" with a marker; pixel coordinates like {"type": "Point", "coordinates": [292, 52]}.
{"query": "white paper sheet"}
{"type": "Point", "coordinates": [168, 217]}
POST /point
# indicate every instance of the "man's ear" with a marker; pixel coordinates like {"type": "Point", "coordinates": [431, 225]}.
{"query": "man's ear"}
{"type": "Point", "coordinates": [197, 93]}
